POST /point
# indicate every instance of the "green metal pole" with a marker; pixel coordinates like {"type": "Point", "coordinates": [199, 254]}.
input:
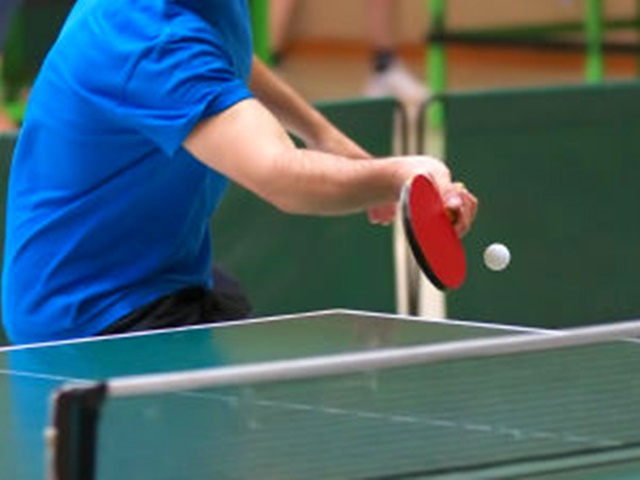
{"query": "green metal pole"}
{"type": "Point", "coordinates": [261, 36]}
{"type": "Point", "coordinates": [637, 25]}
{"type": "Point", "coordinates": [594, 32]}
{"type": "Point", "coordinates": [437, 59]}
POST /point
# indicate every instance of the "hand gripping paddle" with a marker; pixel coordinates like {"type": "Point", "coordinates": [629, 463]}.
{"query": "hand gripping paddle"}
{"type": "Point", "coordinates": [428, 227]}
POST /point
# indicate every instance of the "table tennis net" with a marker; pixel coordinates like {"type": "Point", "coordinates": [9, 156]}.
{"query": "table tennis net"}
{"type": "Point", "coordinates": [533, 406]}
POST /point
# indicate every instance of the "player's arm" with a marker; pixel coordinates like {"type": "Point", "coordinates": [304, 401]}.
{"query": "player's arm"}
{"type": "Point", "coordinates": [301, 118]}
{"type": "Point", "coordinates": [298, 116]}
{"type": "Point", "coordinates": [250, 146]}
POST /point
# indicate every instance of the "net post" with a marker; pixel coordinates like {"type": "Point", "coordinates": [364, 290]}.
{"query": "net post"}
{"type": "Point", "coordinates": [72, 435]}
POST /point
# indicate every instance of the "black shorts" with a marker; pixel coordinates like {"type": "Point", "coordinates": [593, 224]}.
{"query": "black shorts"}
{"type": "Point", "coordinates": [189, 306]}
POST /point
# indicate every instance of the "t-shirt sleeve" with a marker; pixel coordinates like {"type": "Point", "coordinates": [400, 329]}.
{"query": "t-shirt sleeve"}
{"type": "Point", "coordinates": [181, 80]}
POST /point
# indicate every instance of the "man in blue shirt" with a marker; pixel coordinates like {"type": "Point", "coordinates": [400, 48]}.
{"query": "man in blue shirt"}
{"type": "Point", "coordinates": [141, 113]}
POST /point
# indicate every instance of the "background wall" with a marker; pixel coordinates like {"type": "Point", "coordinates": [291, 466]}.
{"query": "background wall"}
{"type": "Point", "coordinates": [344, 19]}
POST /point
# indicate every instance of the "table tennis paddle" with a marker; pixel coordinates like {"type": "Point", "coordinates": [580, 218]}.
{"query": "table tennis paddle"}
{"type": "Point", "coordinates": [429, 230]}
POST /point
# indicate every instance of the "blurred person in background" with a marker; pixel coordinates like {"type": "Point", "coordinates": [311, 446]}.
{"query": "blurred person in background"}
{"type": "Point", "coordinates": [389, 77]}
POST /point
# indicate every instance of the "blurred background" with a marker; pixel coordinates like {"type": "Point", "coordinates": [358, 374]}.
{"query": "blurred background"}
{"type": "Point", "coordinates": [328, 47]}
{"type": "Point", "coordinates": [329, 53]}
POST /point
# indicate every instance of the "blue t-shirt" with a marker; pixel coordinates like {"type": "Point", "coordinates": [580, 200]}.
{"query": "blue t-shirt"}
{"type": "Point", "coordinates": [106, 210]}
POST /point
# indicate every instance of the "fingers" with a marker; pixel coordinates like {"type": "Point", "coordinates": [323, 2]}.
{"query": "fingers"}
{"type": "Point", "coordinates": [382, 215]}
{"type": "Point", "coordinates": [462, 206]}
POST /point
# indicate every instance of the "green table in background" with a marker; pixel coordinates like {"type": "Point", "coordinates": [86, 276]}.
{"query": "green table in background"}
{"type": "Point", "coordinates": [556, 171]}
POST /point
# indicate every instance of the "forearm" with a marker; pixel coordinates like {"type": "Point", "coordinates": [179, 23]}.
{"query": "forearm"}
{"type": "Point", "coordinates": [247, 144]}
{"type": "Point", "coordinates": [302, 181]}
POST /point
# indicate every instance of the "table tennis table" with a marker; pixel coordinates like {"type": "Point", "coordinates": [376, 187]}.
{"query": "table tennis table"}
{"type": "Point", "coordinates": [563, 413]}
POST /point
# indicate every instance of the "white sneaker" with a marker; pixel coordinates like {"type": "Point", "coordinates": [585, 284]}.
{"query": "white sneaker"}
{"type": "Point", "coordinates": [397, 82]}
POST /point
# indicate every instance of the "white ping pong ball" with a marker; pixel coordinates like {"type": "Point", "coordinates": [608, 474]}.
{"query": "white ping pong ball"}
{"type": "Point", "coordinates": [497, 257]}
